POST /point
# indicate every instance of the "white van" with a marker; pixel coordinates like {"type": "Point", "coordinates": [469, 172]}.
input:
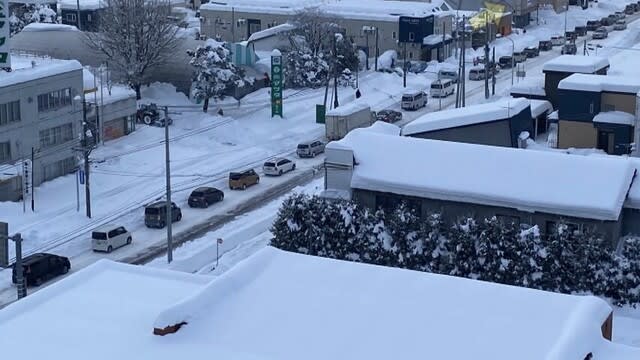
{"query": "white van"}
{"type": "Point", "coordinates": [441, 88]}
{"type": "Point", "coordinates": [413, 100]}
{"type": "Point", "coordinates": [477, 73]}
{"type": "Point", "coordinates": [109, 237]}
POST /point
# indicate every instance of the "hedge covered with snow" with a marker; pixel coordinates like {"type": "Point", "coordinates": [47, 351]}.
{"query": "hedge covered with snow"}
{"type": "Point", "coordinates": [564, 261]}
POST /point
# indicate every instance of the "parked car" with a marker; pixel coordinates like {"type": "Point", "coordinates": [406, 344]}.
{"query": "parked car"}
{"type": "Point", "coordinates": [477, 73]}
{"type": "Point", "coordinates": [278, 166]}
{"type": "Point", "coordinates": [506, 62]}
{"type": "Point", "coordinates": [609, 20]}
{"type": "Point", "coordinates": [204, 196]}
{"type": "Point", "coordinates": [601, 33]}
{"type": "Point", "coordinates": [630, 9]}
{"type": "Point", "coordinates": [569, 49]}
{"type": "Point", "coordinates": [413, 100]}
{"type": "Point", "coordinates": [593, 25]}
{"type": "Point", "coordinates": [620, 15]}
{"type": "Point", "coordinates": [389, 116]}
{"type": "Point", "coordinates": [40, 267]}
{"type": "Point", "coordinates": [155, 215]}
{"type": "Point", "coordinates": [243, 179]}
{"type": "Point", "coordinates": [532, 51]}
{"type": "Point", "coordinates": [545, 45]}
{"type": "Point", "coordinates": [448, 74]}
{"type": "Point", "coordinates": [620, 25]}
{"type": "Point", "coordinates": [557, 40]}
{"type": "Point", "coordinates": [108, 237]}
{"type": "Point", "coordinates": [570, 35]}
{"type": "Point", "coordinates": [519, 56]}
{"type": "Point", "coordinates": [310, 149]}
{"type": "Point", "coordinates": [581, 30]}
{"type": "Point", "coordinates": [418, 66]}
{"type": "Point", "coordinates": [441, 88]}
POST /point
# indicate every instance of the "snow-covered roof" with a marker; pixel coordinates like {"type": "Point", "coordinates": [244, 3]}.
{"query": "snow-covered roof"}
{"type": "Point", "coordinates": [38, 27]}
{"type": "Point", "coordinates": [23, 70]}
{"type": "Point", "coordinates": [271, 31]}
{"type": "Point", "coordinates": [615, 117]}
{"type": "Point", "coordinates": [284, 7]}
{"type": "Point", "coordinates": [434, 39]}
{"type": "Point", "coordinates": [599, 83]}
{"type": "Point", "coordinates": [118, 92]}
{"type": "Point", "coordinates": [576, 64]}
{"type": "Point", "coordinates": [349, 108]}
{"type": "Point", "coordinates": [555, 183]}
{"type": "Point", "coordinates": [283, 305]}
{"type": "Point", "coordinates": [530, 86]}
{"type": "Point", "coordinates": [540, 106]}
{"type": "Point", "coordinates": [469, 115]}
{"type": "Point", "coordinates": [378, 127]}
{"type": "Point", "coordinates": [97, 4]}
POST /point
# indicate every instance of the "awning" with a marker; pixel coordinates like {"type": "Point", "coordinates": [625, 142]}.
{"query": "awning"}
{"type": "Point", "coordinates": [435, 40]}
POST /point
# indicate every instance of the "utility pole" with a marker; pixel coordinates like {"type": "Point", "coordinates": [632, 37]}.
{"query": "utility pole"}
{"type": "Point", "coordinates": [366, 32]}
{"type": "Point", "coordinates": [493, 78]}
{"type": "Point", "coordinates": [86, 151]}
{"type": "Point", "coordinates": [377, 50]}
{"type": "Point", "coordinates": [404, 72]}
{"type": "Point", "coordinates": [464, 64]}
{"type": "Point", "coordinates": [33, 195]}
{"type": "Point", "coordinates": [78, 14]}
{"type": "Point", "coordinates": [584, 49]}
{"type": "Point", "coordinates": [486, 56]}
{"type": "Point", "coordinates": [335, 73]}
{"type": "Point", "coordinates": [169, 215]}
{"type": "Point", "coordinates": [4, 257]}
{"type": "Point", "coordinates": [233, 25]}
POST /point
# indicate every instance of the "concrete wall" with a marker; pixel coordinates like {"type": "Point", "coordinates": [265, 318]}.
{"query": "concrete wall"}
{"type": "Point", "coordinates": [496, 133]}
{"type": "Point", "coordinates": [25, 134]}
{"type": "Point", "coordinates": [118, 118]}
{"type": "Point", "coordinates": [452, 211]}
{"type": "Point", "coordinates": [618, 102]}
{"type": "Point", "coordinates": [576, 134]}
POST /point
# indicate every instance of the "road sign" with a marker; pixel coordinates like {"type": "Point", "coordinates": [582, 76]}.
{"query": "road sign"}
{"type": "Point", "coordinates": [276, 83]}
{"type": "Point", "coordinates": [81, 176]}
{"type": "Point", "coordinates": [4, 244]}
{"type": "Point", "coordinates": [219, 241]}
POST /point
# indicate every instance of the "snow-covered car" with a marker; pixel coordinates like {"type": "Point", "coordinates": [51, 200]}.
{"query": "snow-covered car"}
{"type": "Point", "coordinates": [557, 40]}
{"type": "Point", "coordinates": [532, 51]}
{"type": "Point", "coordinates": [278, 166]}
{"type": "Point", "coordinates": [620, 25]}
{"type": "Point", "coordinates": [417, 67]}
{"type": "Point", "coordinates": [601, 33]}
{"type": "Point", "coordinates": [448, 74]}
{"type": "Point", "coordinates": [519, 56]}
{"type": "Point", "coordinates": [388, 115]}
{"type": "Point", "coordinates": [569, 49]}
{"type": "Point", "coordinates": [620, 15]}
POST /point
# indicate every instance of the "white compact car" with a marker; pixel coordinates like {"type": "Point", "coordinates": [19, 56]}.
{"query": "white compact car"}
{"type": "Point", "coordinates": [278, 166]}
{"type": "Point", "coordinates": [108, 237]}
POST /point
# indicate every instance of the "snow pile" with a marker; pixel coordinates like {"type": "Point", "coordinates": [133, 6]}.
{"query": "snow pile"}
{"type": "Point", "coordinates": [304, 300]}
{"type": "Point", "coordinates": [576, 64]}
{"type": "Point", "coordinates": [615, 117]}
{"type": "Point", "coordinates": [492, 175]}
{"type": "Point", "coordinates": [35, 27]}
{"type": "Point", "coordinates": [275, 30]}
{"type": "Point", "coordinates": [388, 59]}
{"type": "Point", "coordinates": [599, 83]}
{"type": "Point", "coordinates": [24, 70]}
{"type": "Point", "coordinates": [475, 114]}
{"type": "Point", "coordinates": [538, 107]}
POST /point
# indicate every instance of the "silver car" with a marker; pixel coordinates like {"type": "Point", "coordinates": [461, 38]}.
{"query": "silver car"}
{"type": "Point", "coordinates": [109, 237]}
{"type": "Point", "coordinates": [310, 149]}
{"type": "Point", "coordinates": [600, 33]}
{"type": "Point", "coordinates": [620, 25]}
{"type": "Point", "coordinates": [278, 166]}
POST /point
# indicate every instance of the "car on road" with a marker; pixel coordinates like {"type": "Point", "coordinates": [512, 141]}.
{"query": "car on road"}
{"type": "Point", "coordinates": [620, 25]}
{"type": "Point", "coordinates": [413, 100]}
{"type": "Point", "coordinates": [204, 196]}
{"type": "Point", "coordinates": [448, 74]}
{"type": "Point", "coordinates": [557, 40]}
{"type": "Point", "coordinates": [506, 62]}
{"type": "Point", "coordinates": [310, 148]}
{"type": "Point", "coordinates": [441, 88]}
{"type": "Point", "coordinates": [108, 237]}
{"type": "Point", "coordinates": [278, 166]}
{"type": "Point", "coordinates": [417, 67]}
{"type": "Point", "coordinates": [40, 267]}
{"type": "Point", "coordinates": [593, 25]}
{"type": "Point", "coordinates": [477, 73]}
{"type": "Point", "coordinates": [519, 57]}
{"type": "Point", "coordinates": [155, 214]}
{"type": "Point", "coordinates": [601, 33]}
{"type": "Point", "coordinates": [532, 51]}
{"type": "Point", "coordinates": [243, 179]}
{"type": "Point", "coordinates": [569, 49]}
{"type": "Point", "coordinates": [570, 35]}
{"type": "Point", "coordinates": [545, 45]}
{"type": "Point", "coordinates": [620, 15]}
{"type": "Point", "coordinates": [581, 30]}
{"type": "Point", "coordinates": [388, 115]}
{"type": "Point", "coordinates": [630, 9]}
{"type": "Point", "coordinates": [608, 20]}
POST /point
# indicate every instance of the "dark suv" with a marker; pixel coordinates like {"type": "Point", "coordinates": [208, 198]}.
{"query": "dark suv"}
{"type": "Point", "coordinates": [532, 51]}
{"type": "Point", "coordinates": [545, 45]}
{"type": "Point", "coordinates": [205, 196]}
{"type": "Point", "coordinates": [242, 180]}
{"type": "Point", "coordinates": [40, 267]}
{"type": "Point", "coordinates": [155, 215]}
{"type": "Point", "coordinates": [593, 25]}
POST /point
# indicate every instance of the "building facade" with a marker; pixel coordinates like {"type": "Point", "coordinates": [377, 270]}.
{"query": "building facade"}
{"type": "Point", "coordinates": [564, 66]}
{"type": "Point", "coordinates": [38, 114]}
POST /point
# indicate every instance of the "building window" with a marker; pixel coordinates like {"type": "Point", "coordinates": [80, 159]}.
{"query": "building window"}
{"type": "Point", "coordinates": [411, 36]}
{"type": "Point", "coordinates": [394, 35]}
{"type": "Point", "coordinates": [71, 17]}
{"type": "Point", "coordinates": [54, 100]}
{"type": "Point", "coordinates": [608, 107]}
{"type": "Point", "coordinates": [56, 135]}
{"type": "Point", "coordinates": [5, 151]}
{"type": "Point", "coordinates": [58, 168]}
{"type": "Point", "coordinates": [9, 112]}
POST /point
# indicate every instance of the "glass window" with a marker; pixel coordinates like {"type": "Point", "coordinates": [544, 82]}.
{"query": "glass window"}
{"type": "Point", "coordinates": [9, 112]}
{"type": "Point", "coordinates": [54, 100]}
{"type": "Point", "coordinates": [5, 151]}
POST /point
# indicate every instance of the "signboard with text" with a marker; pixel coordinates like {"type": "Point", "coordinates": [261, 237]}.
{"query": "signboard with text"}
{"type": "Point", "coordinates": [5, 33]}
{"type": "Point", "coordinates": [276, 83]}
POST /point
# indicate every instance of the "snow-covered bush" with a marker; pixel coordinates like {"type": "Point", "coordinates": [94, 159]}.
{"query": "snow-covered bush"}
{"type": "Point", "coordinates": [567, 260]}
{"type": "Point", "coordinates": [304, 69]}
{"type": "Point", "coordinates": [30, 13]}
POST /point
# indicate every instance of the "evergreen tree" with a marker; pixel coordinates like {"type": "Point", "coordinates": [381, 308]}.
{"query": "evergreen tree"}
{"type": "Point", "coordinates": [462, 237]}
{"type": "Point", "coordinates": [302, 69]}
{"type": "Point", "coordinates": [214, 74]}
{"type": "Point", "coordinates": [346, 54]}
{"type": "Point", "coordinates": [492, 264]}
{"type": "Point", "coordinates": [435, 246]}
{"type": "Point", "coordinates": [404, 227]}
{"type": "Point", "coordinates": [532, 255]}
{"type": "Point", "coordinates": [31, 13]}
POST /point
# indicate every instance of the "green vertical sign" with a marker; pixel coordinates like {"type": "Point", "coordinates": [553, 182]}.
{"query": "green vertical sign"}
{"type": "Point", "coordinates": [276, 83]}
{"type": "Point", "coordinates": [5, 58]}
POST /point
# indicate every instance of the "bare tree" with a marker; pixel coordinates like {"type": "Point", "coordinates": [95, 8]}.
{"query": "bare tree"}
{"type": "Point", "coordinates": [135, 36]}
{"type": "Point", "coordinates": [315, 26]}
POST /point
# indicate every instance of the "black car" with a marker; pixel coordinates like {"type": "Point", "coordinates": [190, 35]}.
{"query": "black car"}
{"type": "Point", "coordinates": [629, 9]}
{"type": "Point", "coordinates": [40, 267]}
{"type": "Point", "coordinates": [581, 30]}
{"type": "Point", "coordinates": [570, 35]}
{"type": "Point", "coordinates": [532, 51]}
{"type": "Point", "coordinates": [506, 62]}
{"type": "Point", "coordinates": [389, 116]}
{"type": "Point", "coordinates": [569, 49]}
{"type": "Point", "coordinates": [204, 196]}
{"type": "Point", "coordinates": [545, 45]}
{"type": "Point", "coordinates": [606, 21]}
{"type": "Point", "coordinates": [155, 215]}
{"type": "Point", "coordinates": [593, 25]}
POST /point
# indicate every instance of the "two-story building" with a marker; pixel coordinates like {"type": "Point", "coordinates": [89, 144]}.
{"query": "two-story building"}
{"type": "Point", "coordinates": [83, 14]}
{"type": "Point", "coordinates": [563, 66]}
{"type": "Point", "coordinates": [374, 30]}
{"type": "Point", "coordinates": [596, 111]}
{"type": "Point", "coordinates": [38, 114]}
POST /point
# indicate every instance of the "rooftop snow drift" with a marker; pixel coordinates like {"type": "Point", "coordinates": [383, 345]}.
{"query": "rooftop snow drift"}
{"type": "Point", "coordinates": [576, 64]}
{"type": "Point", "coordinates": [615, 117]}
{"type": "Point", "coordinates": [599, 83]}
{"type": "Point", "coordinates": [24, 70]}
